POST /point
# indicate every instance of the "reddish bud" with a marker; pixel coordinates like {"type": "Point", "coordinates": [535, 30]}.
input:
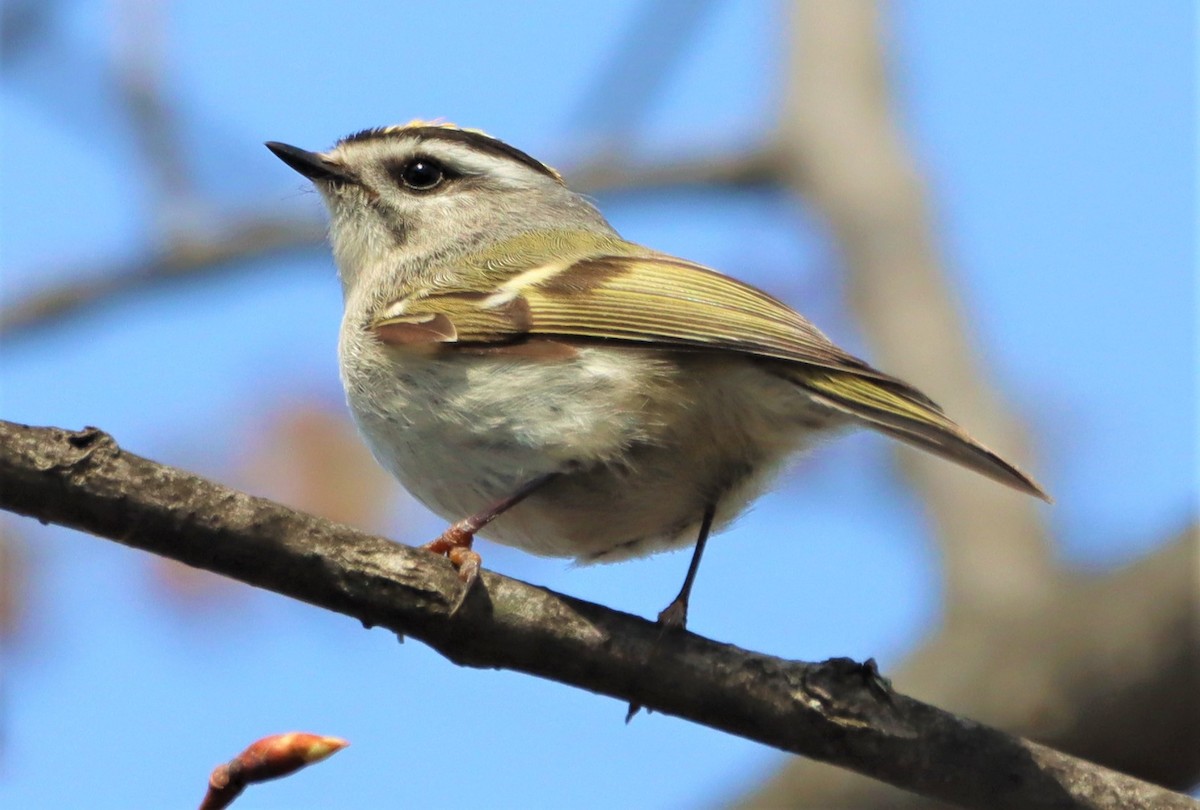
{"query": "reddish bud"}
{"type": "Point", "coordinates": [268, 758]}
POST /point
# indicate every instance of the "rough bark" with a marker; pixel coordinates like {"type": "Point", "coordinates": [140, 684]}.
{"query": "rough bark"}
{"type": "Point", "coordinates": [838, 711]}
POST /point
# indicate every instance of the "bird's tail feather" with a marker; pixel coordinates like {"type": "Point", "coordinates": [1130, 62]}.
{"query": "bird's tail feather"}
{"type": "Point", "coordinates": [899, 410]}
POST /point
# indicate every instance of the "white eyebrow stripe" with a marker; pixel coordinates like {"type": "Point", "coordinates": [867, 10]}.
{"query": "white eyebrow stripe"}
{"type": "Point", "coordinates": [473, 161]}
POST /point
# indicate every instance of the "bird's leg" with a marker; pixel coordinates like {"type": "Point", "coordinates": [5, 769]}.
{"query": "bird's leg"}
{"type": "Point", "coordinates": [455, 543]}
{"type": "Point", "coordinates": [674, 615]}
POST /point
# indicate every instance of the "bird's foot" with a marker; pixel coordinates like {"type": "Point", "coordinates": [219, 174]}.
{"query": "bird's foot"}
{"type": "Point", "coordinates": [674, 616]}
{"type": "Point", "coordinates": [455, 545]}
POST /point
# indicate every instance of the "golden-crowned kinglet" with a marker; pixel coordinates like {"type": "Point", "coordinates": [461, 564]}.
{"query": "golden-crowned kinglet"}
{"type": "Point", "coordinates": [520, 366]}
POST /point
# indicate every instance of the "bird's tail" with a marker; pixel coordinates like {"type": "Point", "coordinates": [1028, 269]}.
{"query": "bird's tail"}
{"type": "Point", "coordinates": [901, 411]}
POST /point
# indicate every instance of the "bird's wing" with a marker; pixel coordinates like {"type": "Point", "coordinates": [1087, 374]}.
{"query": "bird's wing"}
{"type": "Point", "coordinates": [653, 299]}
{"type": "Point", "coordinates": [649, 299]}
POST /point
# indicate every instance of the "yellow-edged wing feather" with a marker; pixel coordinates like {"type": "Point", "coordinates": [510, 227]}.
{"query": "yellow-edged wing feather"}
{"type": "Point", "coordinates": [613, 290]}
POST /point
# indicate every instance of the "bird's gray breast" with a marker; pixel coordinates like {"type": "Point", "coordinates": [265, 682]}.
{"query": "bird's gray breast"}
{"type": "Point", "coordinates": [461, 429]}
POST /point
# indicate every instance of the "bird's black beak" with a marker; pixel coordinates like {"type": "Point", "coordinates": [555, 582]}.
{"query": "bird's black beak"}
{"type": "Point", "coordinates": [310, 164]}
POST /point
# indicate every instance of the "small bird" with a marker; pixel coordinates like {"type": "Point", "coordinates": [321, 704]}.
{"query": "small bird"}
{"type": "Point", "coordinates": [526, 372]}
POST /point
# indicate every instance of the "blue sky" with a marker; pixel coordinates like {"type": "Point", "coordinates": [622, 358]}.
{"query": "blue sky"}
{"type": "Point", "coordinates": [1059, 143]}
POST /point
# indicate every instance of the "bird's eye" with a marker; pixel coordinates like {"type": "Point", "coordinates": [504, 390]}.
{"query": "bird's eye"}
{"type": "Point", "coordinates": [421, 174]}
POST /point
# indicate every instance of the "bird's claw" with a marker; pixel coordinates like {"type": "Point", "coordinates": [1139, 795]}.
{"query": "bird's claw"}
{"type": "Point", "coordinates": [455, 545]}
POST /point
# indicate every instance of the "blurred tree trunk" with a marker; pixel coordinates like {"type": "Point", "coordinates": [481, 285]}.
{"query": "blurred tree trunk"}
{"type": "Point", "coordinates": [1104, 666]}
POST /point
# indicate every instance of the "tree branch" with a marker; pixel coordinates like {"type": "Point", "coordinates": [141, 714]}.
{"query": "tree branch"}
{"type": "Point", "coordinates": [140, 81]}
{"type": "Point", "coordinates": [192, 254]}
{"type": "Point", "coordinates": [606, 172]}
{"type": "Point", "coordinates": [837, 711]}
{"type": "Point", "coordinates": [231, 248]}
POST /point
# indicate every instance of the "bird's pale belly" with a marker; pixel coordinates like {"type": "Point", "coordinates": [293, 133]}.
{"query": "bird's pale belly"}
{"type": "Point", "coordinates": [461, 431]}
